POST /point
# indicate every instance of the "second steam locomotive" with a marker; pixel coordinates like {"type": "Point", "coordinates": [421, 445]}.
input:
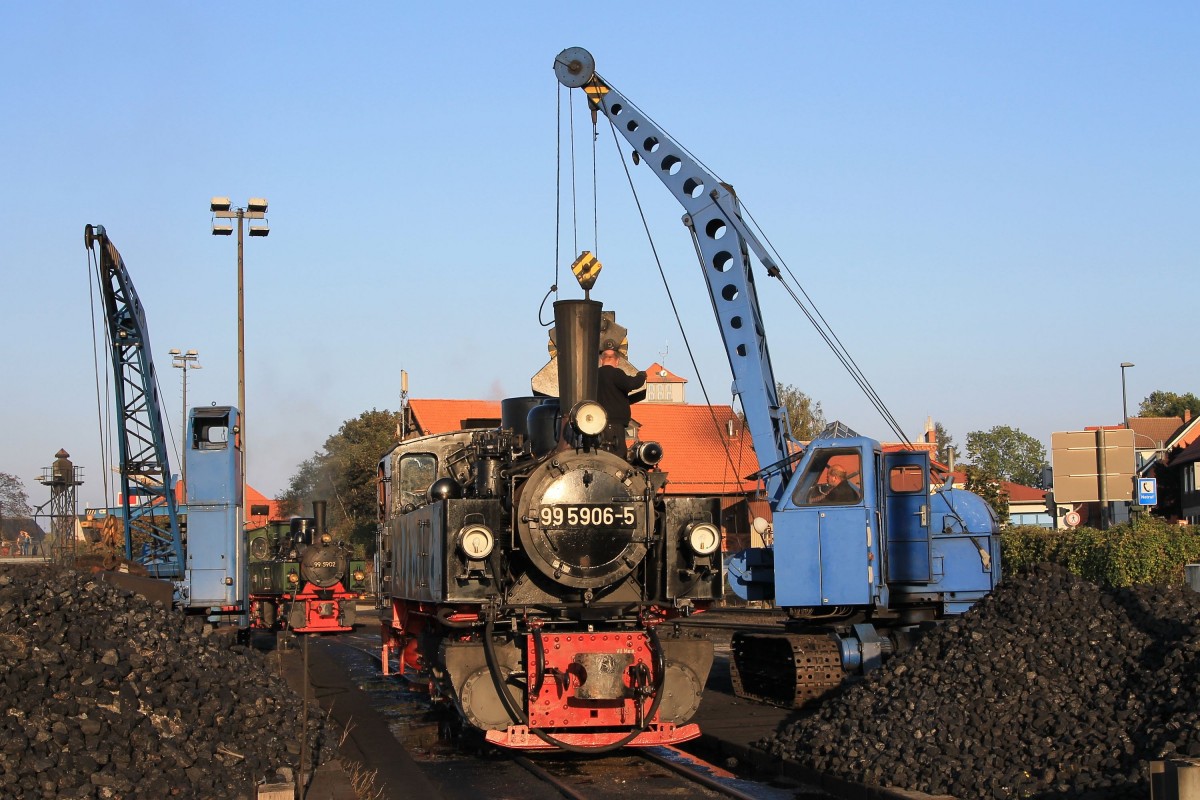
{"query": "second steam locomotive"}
{"type": "Point", "coordinates": [301, 579]}
{"type": "Point", "coordinates": [530, 576]}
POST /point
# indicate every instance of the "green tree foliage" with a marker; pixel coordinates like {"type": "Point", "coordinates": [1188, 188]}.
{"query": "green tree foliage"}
{"type": "Point", "coordinates": [14, 502]}
{"type": "Point", "coordinates": [1007, 454]}
{"type": "Point", "coordinates": [988, 487]}
{"type": "Point", "coordinates": [343, 475]}
{"type": "Point", "coordinates": [945, 445]}
{"type": "Point", "coordinates": [804, 414]}
{"type": "Point", "coordinates": [1169, 404]}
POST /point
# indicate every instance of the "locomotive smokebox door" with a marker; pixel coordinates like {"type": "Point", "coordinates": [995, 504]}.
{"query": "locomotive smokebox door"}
{"type": "Point", "coordinates": [581, 516]}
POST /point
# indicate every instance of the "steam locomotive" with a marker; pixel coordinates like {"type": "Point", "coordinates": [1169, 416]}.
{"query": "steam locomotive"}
{"type": "Point", "coordinates": [301, 579]}
{"type": "Point", "coordinates": [530, 576]}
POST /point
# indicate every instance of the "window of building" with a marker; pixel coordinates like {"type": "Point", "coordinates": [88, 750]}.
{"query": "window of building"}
{"type": "Point", "coordinates": [1039, 519]}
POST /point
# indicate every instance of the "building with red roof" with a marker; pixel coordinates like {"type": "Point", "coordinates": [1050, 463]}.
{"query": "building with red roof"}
{"type": "Point", "coordinates": [706, 449]}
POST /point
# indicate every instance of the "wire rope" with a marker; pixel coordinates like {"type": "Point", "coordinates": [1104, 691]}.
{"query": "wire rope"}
{"type": "Point", "coordinates": [667, 287]}
{"type": "Point", "coordinates": [103, 410]}
{"type": "Point", "coordinates": [811, 312]}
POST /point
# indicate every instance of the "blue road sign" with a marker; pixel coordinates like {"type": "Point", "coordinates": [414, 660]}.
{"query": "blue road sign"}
{"type": "Point", "coordinates": [1147, 494]}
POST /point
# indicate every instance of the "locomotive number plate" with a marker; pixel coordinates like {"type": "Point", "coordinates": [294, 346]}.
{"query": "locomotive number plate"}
{"type": "Point", "coordinates": [573, 515]}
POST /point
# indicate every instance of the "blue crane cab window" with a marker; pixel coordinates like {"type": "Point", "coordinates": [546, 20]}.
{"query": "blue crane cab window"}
{"type": "Point", "coordinates": [833, 478]}
{"type": "Point", "coordinates": [906, 478]}
{"type": "Point", "coordinates": [210, 434]}
{"type": "Point", "coordinates": [418, 471]}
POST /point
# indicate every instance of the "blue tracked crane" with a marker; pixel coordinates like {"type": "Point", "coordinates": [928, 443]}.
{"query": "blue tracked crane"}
{"type": "Point", "coordinates": [866, 549]}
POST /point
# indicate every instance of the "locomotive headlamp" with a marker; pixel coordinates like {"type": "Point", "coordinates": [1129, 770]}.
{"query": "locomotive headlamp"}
{"type": "Point", "coordinates": [359, 575]}
{"type": "Point", "coordinates": [326, 538]}
{"type": "Point", "coordinates": [703, 538]}
{"type": "Point", "coordinates": [476, 541]}
{"type": "Point", "coordinates": [293, 578]}
{"type": "Point", "coordinates": [647, 454]}
{"type": "Point", "coordinates": [589, 418]}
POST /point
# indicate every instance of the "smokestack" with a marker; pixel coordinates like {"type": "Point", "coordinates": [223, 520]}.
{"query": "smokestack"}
{"type": "Point", "coordinates": [319, 516]}
{"type": "Point", "coordinates": [577, 341]}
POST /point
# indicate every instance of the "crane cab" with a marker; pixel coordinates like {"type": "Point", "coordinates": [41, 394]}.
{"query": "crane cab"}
{"type": "Point", "coordinates": [859, 531]}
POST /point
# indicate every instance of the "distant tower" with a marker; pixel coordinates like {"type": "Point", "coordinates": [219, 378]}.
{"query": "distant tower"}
{"type": "Point", "coordinates": [62, 477]}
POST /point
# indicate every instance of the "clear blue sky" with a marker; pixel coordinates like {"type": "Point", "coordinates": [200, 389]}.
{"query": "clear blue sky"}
{"type": "Point", "coordinates": [994, 203]}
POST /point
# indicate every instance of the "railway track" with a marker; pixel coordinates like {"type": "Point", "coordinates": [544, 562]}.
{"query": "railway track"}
{"type": "Point", "coordinates": [463, 766]}
{"type": "Point", "coordinates": [661, 772]}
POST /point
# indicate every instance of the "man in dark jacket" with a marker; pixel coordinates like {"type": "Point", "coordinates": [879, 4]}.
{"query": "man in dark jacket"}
{"type": "Point", "coordinates": [838, 490]}
{"type": "Point", "coordinates": [613, 389]}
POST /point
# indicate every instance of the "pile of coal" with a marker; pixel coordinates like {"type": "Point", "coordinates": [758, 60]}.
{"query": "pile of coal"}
{"type": "Point", "coordinates": [1051, 687]}
{"type": "Point", "coordinates": [107, 695]}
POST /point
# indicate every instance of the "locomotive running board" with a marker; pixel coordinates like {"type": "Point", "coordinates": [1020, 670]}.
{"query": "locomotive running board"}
{"type": "Point", "coordinates": [519, 737]}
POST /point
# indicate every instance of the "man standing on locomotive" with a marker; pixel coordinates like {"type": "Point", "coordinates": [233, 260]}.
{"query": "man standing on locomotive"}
{"type": "Point", "coordinates": [613, 391]}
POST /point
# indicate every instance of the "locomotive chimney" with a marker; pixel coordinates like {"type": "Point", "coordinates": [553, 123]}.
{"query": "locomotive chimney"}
{"type": "Point", "coordinates": [577, 340]}
{"type": "Point", "coordinates": [319, 517]}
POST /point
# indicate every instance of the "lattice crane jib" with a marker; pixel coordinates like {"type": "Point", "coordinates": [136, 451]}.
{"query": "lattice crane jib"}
{"type": "Point", "coordinates": [151, 520]}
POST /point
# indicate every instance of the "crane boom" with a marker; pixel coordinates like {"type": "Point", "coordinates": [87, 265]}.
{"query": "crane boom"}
{"type": "Point", "coordinates": [723, 241]}
{"type": "Point", "coordinates": [147, 497]}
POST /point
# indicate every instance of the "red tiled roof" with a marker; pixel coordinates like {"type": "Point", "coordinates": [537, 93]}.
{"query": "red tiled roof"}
{"type": "Point", "coordinates": [694, 447]}
{"type": "Point", "coordinates": [1156, 429]}
{"type": "Point", "coordinates": [1017, 492]}
{"type": "Point", "coordinates": [1149, 431]}
{"type": "Point", "coordinates": [256, 498]}
{"type": "Point", "coordinates": [442, 416]}
{"type": "Point", "coordinates": [693, 453]}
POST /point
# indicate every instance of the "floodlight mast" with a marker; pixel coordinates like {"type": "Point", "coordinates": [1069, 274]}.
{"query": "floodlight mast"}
{"type": "Point", "coordinates": [255, 209]}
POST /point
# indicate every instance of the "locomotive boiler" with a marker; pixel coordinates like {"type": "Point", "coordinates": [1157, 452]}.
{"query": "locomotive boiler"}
{"type": "Point", "coordinates": [301, 579]}
{"type": "Point", "coordinates": [530, 576]}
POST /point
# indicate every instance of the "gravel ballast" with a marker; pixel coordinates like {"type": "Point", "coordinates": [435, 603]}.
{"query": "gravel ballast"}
{"type": "Point", "coordinates": [1051, 687]}
{"type": "Point", "coordinates": [107, 695]}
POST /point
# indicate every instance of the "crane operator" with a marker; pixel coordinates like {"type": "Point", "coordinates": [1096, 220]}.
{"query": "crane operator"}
{"type": "Point", "coordinates": [613, 395]}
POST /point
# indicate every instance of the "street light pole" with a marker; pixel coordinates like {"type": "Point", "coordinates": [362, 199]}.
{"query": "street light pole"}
{"type": "Point", "coordinates": [255, 208]}
{"type": "Point", "coordinates": [1124, 405]}
{"type": "Point", "coordinates": [184, 361]}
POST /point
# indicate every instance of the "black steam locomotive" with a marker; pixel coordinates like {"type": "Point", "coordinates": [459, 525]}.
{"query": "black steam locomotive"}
{"type": "Point", "coordinates": [301, 579]}
{"type": "Point", "coordinates": [527, 573]}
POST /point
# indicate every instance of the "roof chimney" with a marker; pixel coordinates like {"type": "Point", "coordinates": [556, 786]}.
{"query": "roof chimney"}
{"type": "Point", "coordinates": [1187, 415]}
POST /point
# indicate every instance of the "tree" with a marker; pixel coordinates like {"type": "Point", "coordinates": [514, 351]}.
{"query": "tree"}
{"type": "Point", "coordinates": [1169, 404]}
{"type": "Point", "coordinates": [988, 487]}
{"type": "Point", "coordinates": [804, 414]}
{"type": "Point", "coordinates": [14, 502]}
{"type": "Point", "coordinates": [947, 451]}
{"type": "Point", "coordinates": [344, 476]}
{"type": "Point", "coordinates": [1007, 454]}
